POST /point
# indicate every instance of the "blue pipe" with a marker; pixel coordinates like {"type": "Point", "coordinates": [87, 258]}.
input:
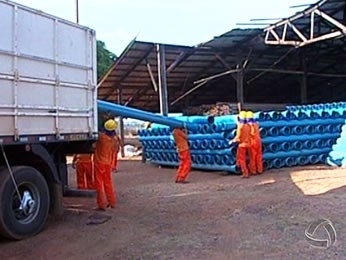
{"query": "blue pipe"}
{"type": "Point", "coordinates": [227, 119]}
{"type": "Point", "coordinates": [217, 136]}
{"type": "Point", "coordinates": [264, 132]}
{"type": "Point", "coordinates": [274, 115]}
{"type": "Point", "coordinates": [217, 159]}
{"type": "Point", "coordinates": [228, 135]}
{"type": "Point", "coordinates": [285, 130]}
{"type": "Point", "coordinates": [297, 130]}
{"type": "Point", "coordinates": [196, 119]}
{"type": "Point", "coordinates": [273, 148]}
{"type": "Point", "coordinates": [273, 131]}
{"type": "Point", "coordinates": [223, 126]}
{"type": "Point", "coordinates": [301, 114]}
{"type": "Point", "coordinates": [152, 126]}
{"type": "Point", "coordinates": [204, 144]}
{"type": "Point", "coordinates": [221, 144]}
{"type": "Point", "coordinates": [288, 115]}
{"type": "Point", "coordinates": [290, 138]}
{"type": "Point", "coordinates": [199, 159]}
{"type": "Point", "coordinates": [211, 128]}
{"type": "Point", "coordinates": [229, 151]}
{"type": "Point", "coordinates": [308, 129]}
{"type": "Point", "coordinates": [208, 159]}
{"type": "Point", "coordinates": [302, 152]}
{"type": "Point", "coordinates": [267, 164]}
{"type": "Point", "coordinates": [308, 144]}
{"type": "Point", "coordinates": [124, 111]}
{"type": "Point", "coordinates": [289, 162]}
{"type": "Point", "coordinates": [293, 123]}
{"type": "Point", "coordinates": [318, 143]}
{"type": "Point", "coordinates": [285, 146]}
{"type": "Point", "coordinates": [227, 160]}
{"type": "Point", "coordinates": [313, 159]}
{"type": "Point", "coordinates": [320, 114]}
{"type": "Point", "coordinates": [212, 144]}
{"type": "Point", "coordinates": [329, 143]}
{"type": "Point", "coordinates": [277, 163]}
{"type": "Point", "coordinates": [337, 128]}
{"type": "Point", "coordinates": [302, 160]}
{"type": "Point", "coordinates": [319, 128]}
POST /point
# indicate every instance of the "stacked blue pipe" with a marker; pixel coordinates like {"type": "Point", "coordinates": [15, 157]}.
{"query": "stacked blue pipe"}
{"type": "Point", "coordinates": [300, 135]}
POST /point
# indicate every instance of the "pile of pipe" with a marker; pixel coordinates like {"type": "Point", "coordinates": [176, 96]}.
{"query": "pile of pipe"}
{"type": "Point", "coordinates": [300, 135]}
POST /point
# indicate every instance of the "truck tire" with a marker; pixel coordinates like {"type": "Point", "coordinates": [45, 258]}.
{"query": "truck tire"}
{"type": "Point", "coordinates": [22, 222]}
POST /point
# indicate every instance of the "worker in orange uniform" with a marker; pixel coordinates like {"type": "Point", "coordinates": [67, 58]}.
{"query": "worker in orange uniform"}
{"type": "Point", "coordinates": [256, 164]}
{"type": "Point", "coordinates": [84, 171]}
{"type": "Point", "coordinates": [118, 145]}
{"type": "Point", "coordinates": [242, 139]}
{"type": "Point", "coordinates": [103, 158]}
{"type": "Point", "coordinates": [182, 146]}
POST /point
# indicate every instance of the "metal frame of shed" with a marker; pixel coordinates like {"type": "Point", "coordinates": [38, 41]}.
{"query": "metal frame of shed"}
{"type": "Point", "coordinates": [251, 65]}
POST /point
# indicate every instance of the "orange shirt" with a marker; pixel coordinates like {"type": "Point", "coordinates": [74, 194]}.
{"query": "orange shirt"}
{"type": "Point", "coordinates": [180, 139]}
{"type": "Point", "coordinates": [255, 134]}
{"type": "Point", "coordinates": [105, 148]}
{"type": "Point", "coordinates": [84, 157]}
{"type": "Point", "coordinates": [243, 135]}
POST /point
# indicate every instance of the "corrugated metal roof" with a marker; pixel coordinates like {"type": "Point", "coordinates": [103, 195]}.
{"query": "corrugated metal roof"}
{"type": "Point", "coordinates": [186, 64]}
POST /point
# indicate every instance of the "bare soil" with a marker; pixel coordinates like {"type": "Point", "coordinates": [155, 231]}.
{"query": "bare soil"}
{"type": "Point", "coordinates": [215, 216]}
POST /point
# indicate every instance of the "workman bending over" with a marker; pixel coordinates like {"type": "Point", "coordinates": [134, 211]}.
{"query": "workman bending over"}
{"type": "Point", "coordinates": [242, 139]}
{"type": "Point", "coordinates": [182, 146]}
{"type": "Point", "coordinates": [84, 171]}
{"type": "Point", "coordinates": [103, 158]}
{"type": "Point", "coordinates": [118, 145]}
{"type": "Point", "coordinates": [256, 164]}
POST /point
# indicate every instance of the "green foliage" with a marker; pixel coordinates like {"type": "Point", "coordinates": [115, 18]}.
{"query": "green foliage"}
{"type": "Point", "coordinates": [105, 59]}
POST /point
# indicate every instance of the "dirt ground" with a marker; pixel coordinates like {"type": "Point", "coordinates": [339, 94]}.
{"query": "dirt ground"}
{"type": "Point", "coordinates": [215, 216]}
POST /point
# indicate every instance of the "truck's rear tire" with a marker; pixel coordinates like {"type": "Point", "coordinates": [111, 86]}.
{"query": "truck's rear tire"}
{"type": "Point", "coordinates": [20, 223]}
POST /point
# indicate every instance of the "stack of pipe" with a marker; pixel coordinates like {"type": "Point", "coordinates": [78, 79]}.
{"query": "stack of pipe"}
{"type": "Point", "coordinates": [300, 135]}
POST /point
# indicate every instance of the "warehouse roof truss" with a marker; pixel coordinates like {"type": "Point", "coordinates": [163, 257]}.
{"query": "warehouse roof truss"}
{"type": "Point", "coordinates": [307, 33]}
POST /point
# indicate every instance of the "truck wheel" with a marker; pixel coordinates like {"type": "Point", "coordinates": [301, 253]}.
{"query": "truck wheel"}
{"type": "Point", "coordinates": [25, 217]}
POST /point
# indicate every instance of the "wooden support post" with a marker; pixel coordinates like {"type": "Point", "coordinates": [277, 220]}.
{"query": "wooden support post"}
{"type": "Point", "coordinates": [304, 82]}
{"type": "Point", "coordinates": [162, 75]}
{"type": "Point", "coordinates": [240, 87]}
{"type": "Point", "coordinates": [121, 121]}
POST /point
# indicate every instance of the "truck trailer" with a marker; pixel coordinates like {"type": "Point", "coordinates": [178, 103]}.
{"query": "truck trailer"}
{"type": "Point", "coordinates": [48, 110]}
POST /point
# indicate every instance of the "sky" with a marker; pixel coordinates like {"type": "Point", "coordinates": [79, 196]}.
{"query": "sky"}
{"type": "Point", "coordinates": [183, 22]}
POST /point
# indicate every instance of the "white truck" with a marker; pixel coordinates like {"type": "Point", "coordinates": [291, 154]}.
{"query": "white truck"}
{"type": "Point", "coordinates": [48, 109]}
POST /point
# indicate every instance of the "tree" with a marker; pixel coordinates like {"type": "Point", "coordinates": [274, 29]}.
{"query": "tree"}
{"type": "Point", "coordinates": [105, 59]}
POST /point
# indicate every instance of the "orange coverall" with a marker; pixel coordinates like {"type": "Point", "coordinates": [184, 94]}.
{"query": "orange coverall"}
{"type": "Point", "coordinates": [256, 164]}
{"type": "Point", "coordinates": [182, 147]}
{"type": "Point", "coordinates": [84, 171]}
{"type": "Point", "coordinates": [118, 144]}
{"type": "Point", "coordinates": [243, 139]}
{"type": "Point", "coordinates": [104, 154]}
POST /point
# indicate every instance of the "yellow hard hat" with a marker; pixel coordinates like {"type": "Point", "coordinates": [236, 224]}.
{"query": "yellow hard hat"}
{"type": "Point", "coordinates": [249, 115]}
{"type": "Point", "coordinates": [242, 114]}
{"type": "Point", "coordinates": [110, 125]}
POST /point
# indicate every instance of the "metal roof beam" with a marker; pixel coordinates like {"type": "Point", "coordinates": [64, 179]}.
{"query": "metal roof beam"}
{"type": "Point", "coordinates": [151, 75]}
{"type": "Point", "coordinates": [182, 56]}
{"type": "Point", "coordinates": [339, 29]}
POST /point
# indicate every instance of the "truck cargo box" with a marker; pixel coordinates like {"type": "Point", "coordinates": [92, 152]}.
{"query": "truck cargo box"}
{"type": "Point", "coordinates": [47, 77]}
